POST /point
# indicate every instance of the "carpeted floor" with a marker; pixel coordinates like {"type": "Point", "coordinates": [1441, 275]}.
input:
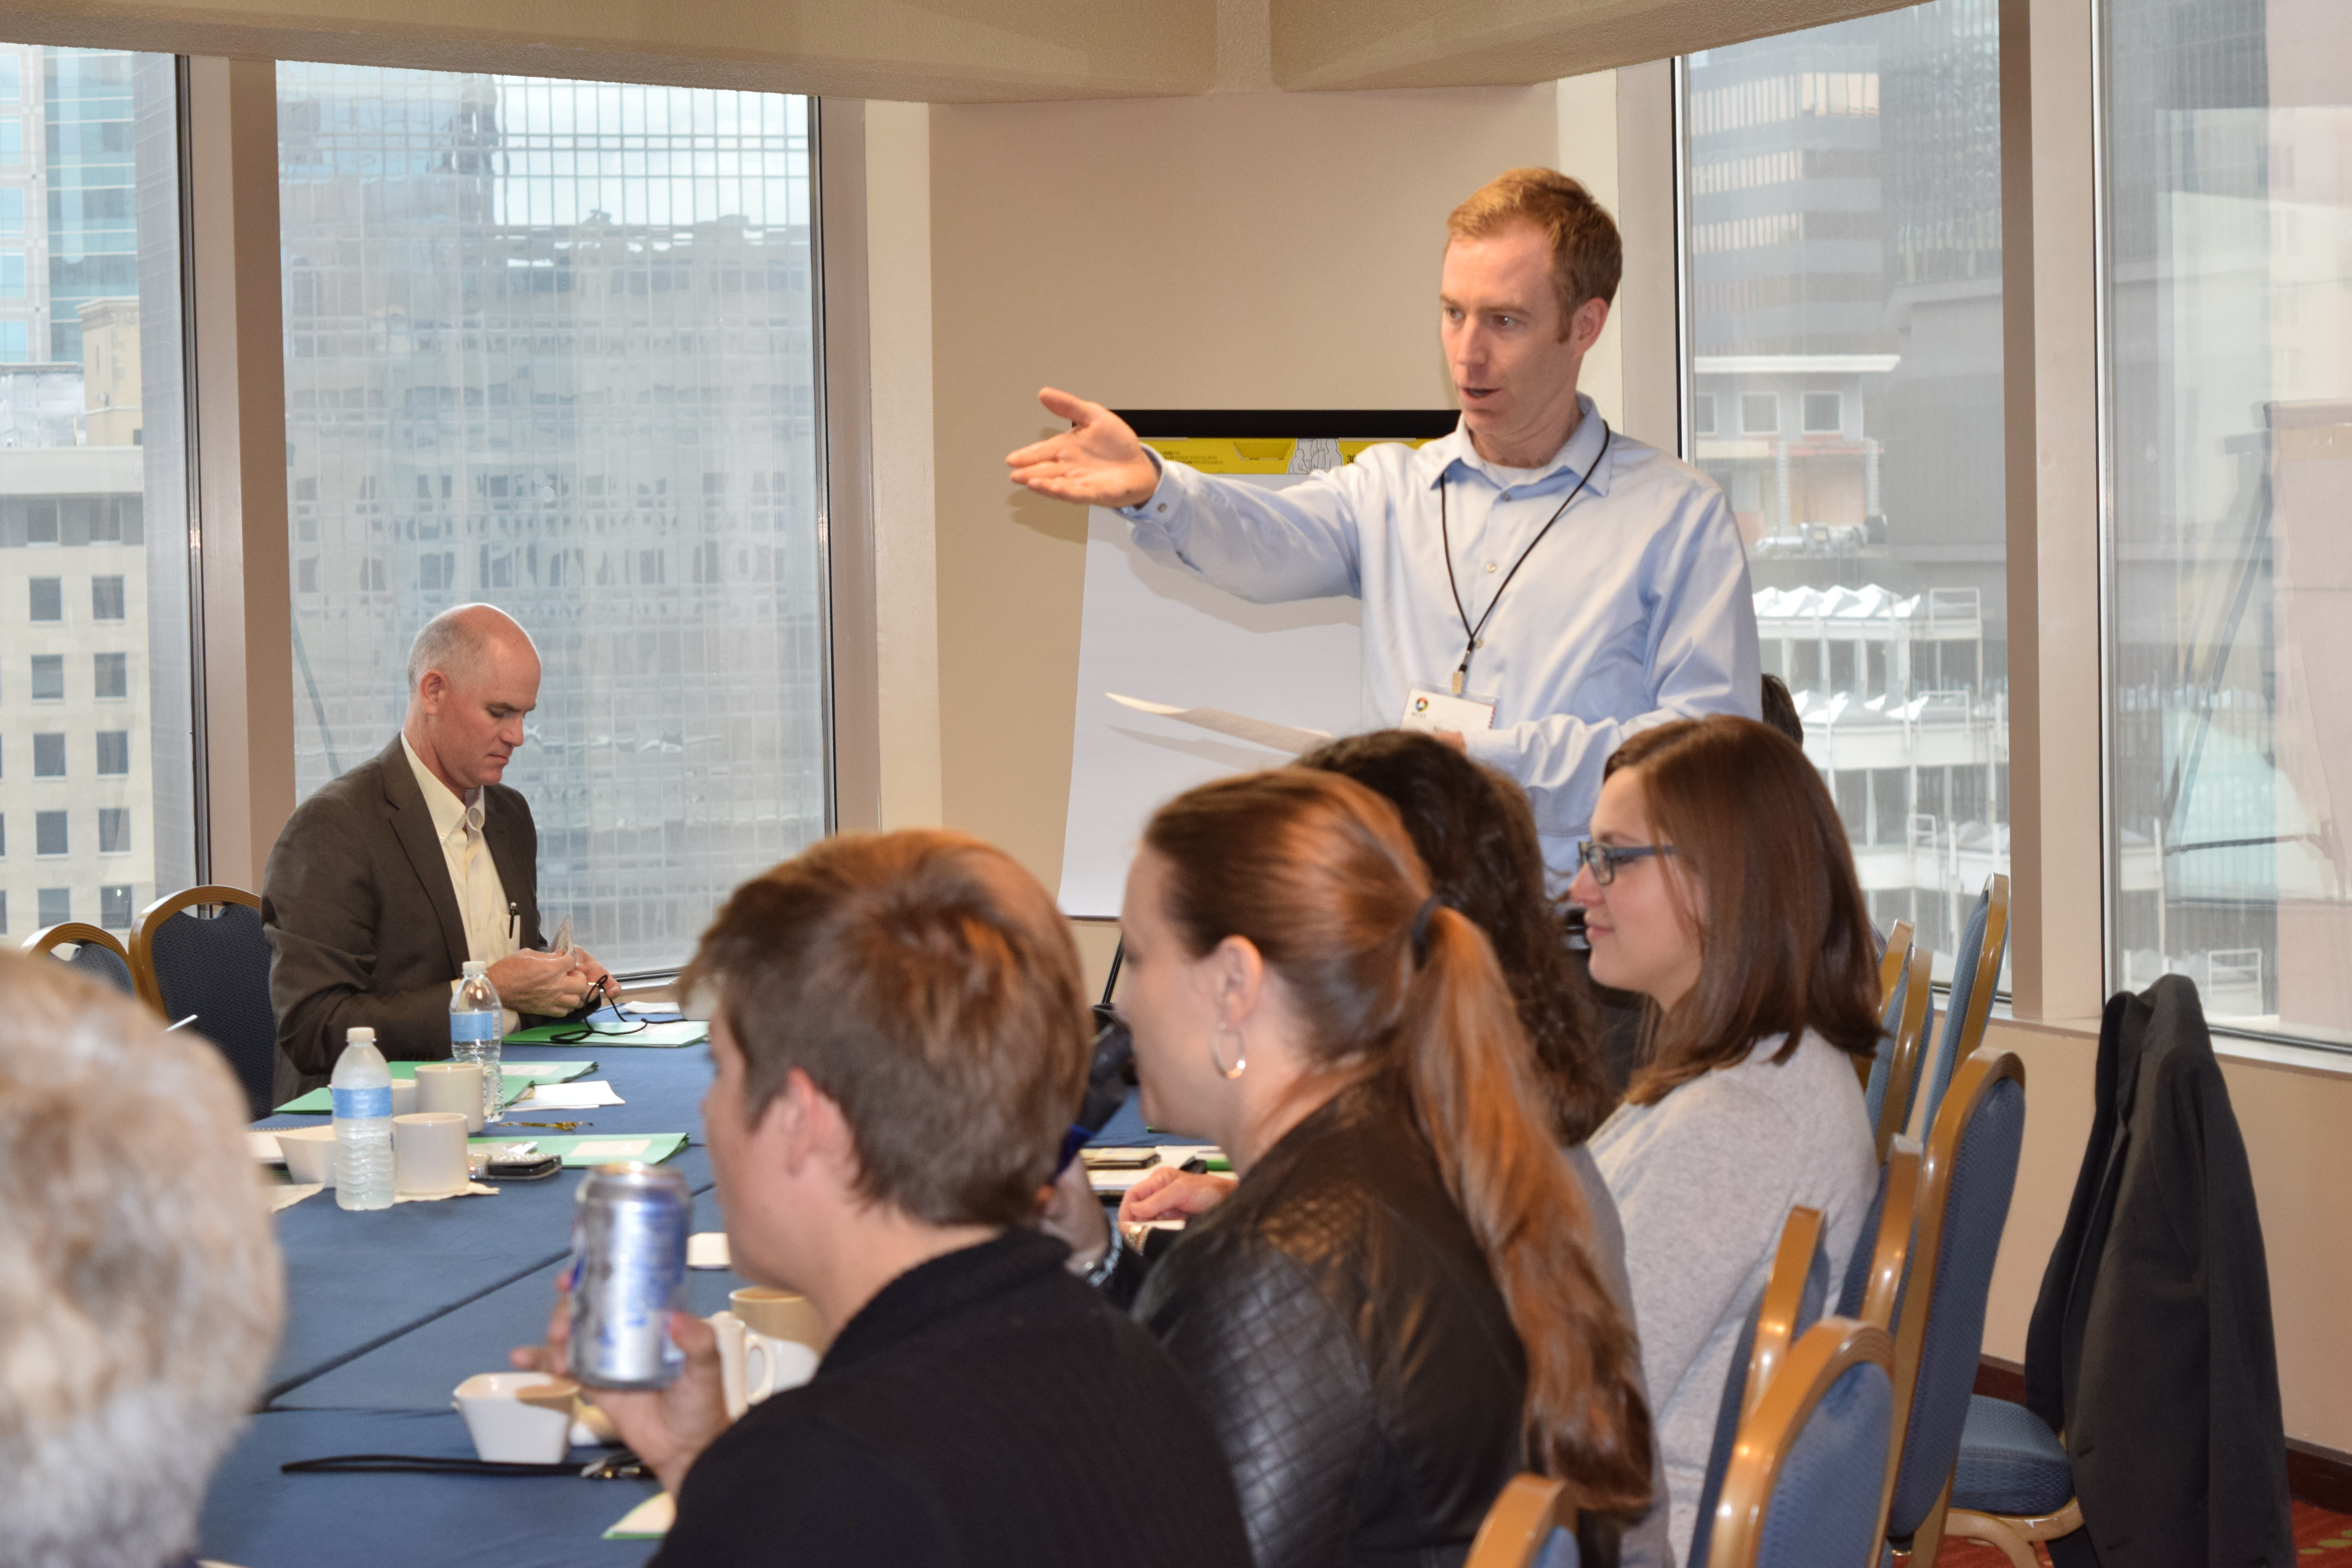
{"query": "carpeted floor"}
{"type": "Point", "coordinates": [2317, 1534]}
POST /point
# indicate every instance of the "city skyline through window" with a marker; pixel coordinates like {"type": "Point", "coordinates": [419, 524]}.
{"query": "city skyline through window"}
{"type": "Point", "coordinates": [1845, 297]}
{"type": "Point", "coordinates": [551, 345]}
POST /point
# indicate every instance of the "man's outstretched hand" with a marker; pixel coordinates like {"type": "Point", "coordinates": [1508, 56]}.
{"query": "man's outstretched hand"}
{"type": "Point", "coordinates": [1097, 462]}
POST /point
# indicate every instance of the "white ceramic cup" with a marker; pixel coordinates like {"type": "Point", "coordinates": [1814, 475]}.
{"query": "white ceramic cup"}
{"type": "Point", "coordinates": [517, 1418]}
{"type": "Point", "coordinates": [451, 1086]}
{"type": "Point", "coordinates": [404, 1096]}
{"type": "Point", "coordinates": [783, 1340]}
{"type": "Point", "coordinates": [428, 1152]}
{"type": "Point", "coordinates": [309, 1153]}
{"type": "Point", "coordinates": [732, 1335]}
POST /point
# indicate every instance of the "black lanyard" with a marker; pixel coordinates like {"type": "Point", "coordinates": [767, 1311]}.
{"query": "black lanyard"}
{"type": "Point", "coordinates": [1471, 642]}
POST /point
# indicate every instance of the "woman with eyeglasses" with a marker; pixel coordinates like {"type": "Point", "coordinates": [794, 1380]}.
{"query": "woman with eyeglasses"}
{"type": "Point", "coordinates": [1718, 885]}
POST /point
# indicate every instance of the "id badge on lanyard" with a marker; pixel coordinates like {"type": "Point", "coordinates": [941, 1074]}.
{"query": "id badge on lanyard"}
{"type": "Point", "coordinates": [1433, 708]}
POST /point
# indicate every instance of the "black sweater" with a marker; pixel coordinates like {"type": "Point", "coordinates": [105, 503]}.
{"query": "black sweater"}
{"type": "Point", "coordinates": [984, 1408]}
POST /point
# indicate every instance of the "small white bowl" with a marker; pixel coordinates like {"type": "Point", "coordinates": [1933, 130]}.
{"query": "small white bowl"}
{"type": "Point", "coordinates": [310, 1152]}
{"type": "Point", "coordinates": [517, 1418]}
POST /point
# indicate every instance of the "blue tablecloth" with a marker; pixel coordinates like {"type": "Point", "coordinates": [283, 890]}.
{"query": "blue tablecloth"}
{"type": "Point", "coordinates": [356, 1281]}
{"type": "Point", "coordinates": [387, 1313]}
{"type": "Point", "coordinates": [258, 1518]}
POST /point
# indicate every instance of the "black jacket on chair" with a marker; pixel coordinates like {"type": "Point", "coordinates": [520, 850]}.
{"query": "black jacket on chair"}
{"type": "Point", "coordinates": [2150, 1347]}
{"type": "Point", "coordinates": [1339, 1325]}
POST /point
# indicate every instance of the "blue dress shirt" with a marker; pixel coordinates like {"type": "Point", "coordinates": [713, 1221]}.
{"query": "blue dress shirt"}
{"type": "Point", "coordinates": [1634, 610]}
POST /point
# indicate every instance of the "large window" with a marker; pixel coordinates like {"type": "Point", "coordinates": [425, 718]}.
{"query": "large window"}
{"type": "Point", "coordinates": [550, 344]}
{"type": "Point", "coordinates": [95, 752]}
{"type": "Point", "coordinates": [2229, 216]}
{"type": "Point", "coordinates": [1844, 262]}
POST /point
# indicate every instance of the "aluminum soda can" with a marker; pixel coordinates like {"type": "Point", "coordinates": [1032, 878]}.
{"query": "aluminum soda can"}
{"type": "Point", "coordinates": [629, 1259]}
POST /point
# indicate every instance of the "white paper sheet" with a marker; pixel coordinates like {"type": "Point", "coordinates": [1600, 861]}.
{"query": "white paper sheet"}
{"type": "Point", "coordinates": [707, 1249]}
{"type": "Point", "coordinates": [611, 1148]}
{"type": "Point", "coordinates": [1274, 671]}
{"type": "Point", "coordinates": [585, 1096]}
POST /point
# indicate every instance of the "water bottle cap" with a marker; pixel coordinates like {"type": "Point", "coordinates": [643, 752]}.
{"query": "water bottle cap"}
{"type": "Point", "coordinates": [475, 968]}
{"type": "Point", "coordinates": [358, 1033]}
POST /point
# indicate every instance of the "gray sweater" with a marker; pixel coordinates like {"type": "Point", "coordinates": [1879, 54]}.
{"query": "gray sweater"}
{"type": "Point", "coordinates": [1703, 1180]}
{"type": "Point", "coordinates": [1645, 1543]}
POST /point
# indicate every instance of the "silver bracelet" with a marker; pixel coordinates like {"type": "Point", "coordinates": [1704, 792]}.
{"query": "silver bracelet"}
{"type": "Point", "coordinates": [1103, 1266]}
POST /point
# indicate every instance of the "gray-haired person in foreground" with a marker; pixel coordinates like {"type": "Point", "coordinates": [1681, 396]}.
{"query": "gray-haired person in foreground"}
{"type": "Point", "coordinates": [140, 1285]}
{"type": "Point", "coordinates": [386, 882]}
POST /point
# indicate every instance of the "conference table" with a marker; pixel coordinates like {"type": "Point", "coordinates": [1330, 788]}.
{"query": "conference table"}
{"type": "Point", "coordinates": [387, 1312]}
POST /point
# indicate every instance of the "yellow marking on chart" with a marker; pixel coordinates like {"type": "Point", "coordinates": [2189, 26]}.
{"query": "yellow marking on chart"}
{"type": "Point", "coordinates": [1253, 456]}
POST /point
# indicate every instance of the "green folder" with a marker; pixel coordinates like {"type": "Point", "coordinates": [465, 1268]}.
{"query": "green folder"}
{"type": "Point", "coordinates": [690, 1032]}
{"type": "Point", "coordinates": [519, 1076]}
{"type": "Point", "coordinates": [600, 1148]}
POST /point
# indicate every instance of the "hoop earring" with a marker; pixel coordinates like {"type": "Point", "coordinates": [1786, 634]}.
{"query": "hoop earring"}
{"type": "Point", "coordinates": [1241, 1056]}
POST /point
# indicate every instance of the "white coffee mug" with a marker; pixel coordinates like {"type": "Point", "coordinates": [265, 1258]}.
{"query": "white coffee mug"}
{"type": "Point", "coordinates": [517, 1418]}
{"type": "Point", "coordinates": [451, 1086]}
{"type": "Point", "coordinates": [404, 1096]}
{"type": "Point", "coordinates": [428, 1152]}
{"type": "Point", "coordinates": [783, 1340]}
{"type": "Point", "coordinates": [730, 1331]}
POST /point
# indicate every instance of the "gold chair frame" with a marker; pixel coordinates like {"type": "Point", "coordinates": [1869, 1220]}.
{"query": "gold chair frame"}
{"type": "Point", "coordinates": [77, 932]}
{"type": "Point", "coordinates": [1898, 1219]}
{"type": "Point", "coordinates": [1971, 1084]}
{"type": "Point", "coordinates": [1828, 1351]}
{"type": "Point", "coordinates": [1521, 1521]}
{"type": "Point", "coordinates": [151, 919]}
{"type": "Point", "coordinates": [1910, 1050]}
{"type": "Point", "coordinates": [1784, 1298]}
{"type": "Point", "coordinates": [1891, 962]}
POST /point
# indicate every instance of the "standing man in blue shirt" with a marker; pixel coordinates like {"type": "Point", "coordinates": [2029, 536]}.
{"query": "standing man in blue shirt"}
{"type": "Point", "coordinates": [1536, 586]}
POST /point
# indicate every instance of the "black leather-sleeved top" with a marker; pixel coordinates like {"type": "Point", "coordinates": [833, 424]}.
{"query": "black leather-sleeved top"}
{"type": "Point", "coordinates": [1337, 1323]}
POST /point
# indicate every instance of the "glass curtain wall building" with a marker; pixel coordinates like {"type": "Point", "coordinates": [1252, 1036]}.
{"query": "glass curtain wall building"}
{"type": "Point", "coordinates": [2229, 212]}
{"type": "Point", "coordinates": [1843, 249]}
{"type": "Point", "coordinates": [551, 345]}
{"type": "Point", "coordinates": [96, 792]}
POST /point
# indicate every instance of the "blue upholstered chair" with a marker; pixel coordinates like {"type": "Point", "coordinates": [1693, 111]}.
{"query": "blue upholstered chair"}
{"type": "Point", "coordinates": [216, 967]}
{"type": "Point", "coordinates": [1910, 1018]}
{"type": "Point", "coordinates": [1891, 963]}
{"type": "Point", "coordinates": [1806, 1488]}
{"type": "Point", "coordinates": [1966, 1178]}
{"type": "Point", "coordinates": [1872, 1288]}
{"type": "Point", "coordinates": [1792, 1300]}
{"type": "Point", "coordinates": [96, 953]}
{"type": "Point", "coordinates": [1976, 975]}
{"type": "Point", "coordinates": [2013, 1485]}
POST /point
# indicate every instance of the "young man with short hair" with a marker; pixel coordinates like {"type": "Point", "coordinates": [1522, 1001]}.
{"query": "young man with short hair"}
{"type": "Point", "coordinates": [898, 1028]}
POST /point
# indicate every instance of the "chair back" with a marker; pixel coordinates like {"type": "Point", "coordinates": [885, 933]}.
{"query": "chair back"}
{"type": "Point", "coordinates": [1976, 975]}
{"type": "Point", "coordinates": [96, 953]}
{"type": "Point", "coordinates": [1872, 1290]}
{"type": "Point", "coordinates": [1806, 1486]}
{"type": "Point", "coordinates": [1895, 1071]}
{"type": "Point", "coordinates": [1793, 1295]}
{"type": "Point", "coordinates": [218, 969]}
{"type": "Point", "coordinates": [1531, 1523]}
{"type": "Point", "coordinates": [1966, 1180]}
{"type": "Point", "coordinates": [1890, 967]}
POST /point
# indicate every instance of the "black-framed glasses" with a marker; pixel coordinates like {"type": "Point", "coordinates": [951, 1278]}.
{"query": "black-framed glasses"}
{"type": "Point", "coordinates": [1602, 859]}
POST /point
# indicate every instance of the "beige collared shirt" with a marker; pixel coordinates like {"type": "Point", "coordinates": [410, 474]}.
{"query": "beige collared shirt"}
{"type": "Point", "coordinates": [473, 874]}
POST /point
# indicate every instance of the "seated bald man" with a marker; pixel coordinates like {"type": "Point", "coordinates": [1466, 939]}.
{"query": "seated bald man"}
{"type": "Point", "coordinates": [387, 880]}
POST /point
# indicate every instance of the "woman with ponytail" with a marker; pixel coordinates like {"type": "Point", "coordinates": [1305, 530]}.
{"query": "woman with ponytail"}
{"type": "Point", "coordinates": [1718, 885]}
{"type": "Point", "coordinates": [1399, 1307]}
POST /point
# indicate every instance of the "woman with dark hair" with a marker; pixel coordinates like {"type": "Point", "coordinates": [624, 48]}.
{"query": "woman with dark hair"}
{"type": "Point", "coordinates": [1400, 1306]}
{"type": "Point", "coordinates": [1718, 885]}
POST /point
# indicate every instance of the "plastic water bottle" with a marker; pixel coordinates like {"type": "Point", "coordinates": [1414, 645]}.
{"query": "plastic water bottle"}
{"type": "Point", "coordinates": [478, 1033]}
{"type": "Point", "coordinates": [362, 1091]}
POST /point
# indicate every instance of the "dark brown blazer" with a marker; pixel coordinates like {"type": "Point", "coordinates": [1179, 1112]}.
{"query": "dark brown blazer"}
{"type": "Point", "coordinates": [363, 924]}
